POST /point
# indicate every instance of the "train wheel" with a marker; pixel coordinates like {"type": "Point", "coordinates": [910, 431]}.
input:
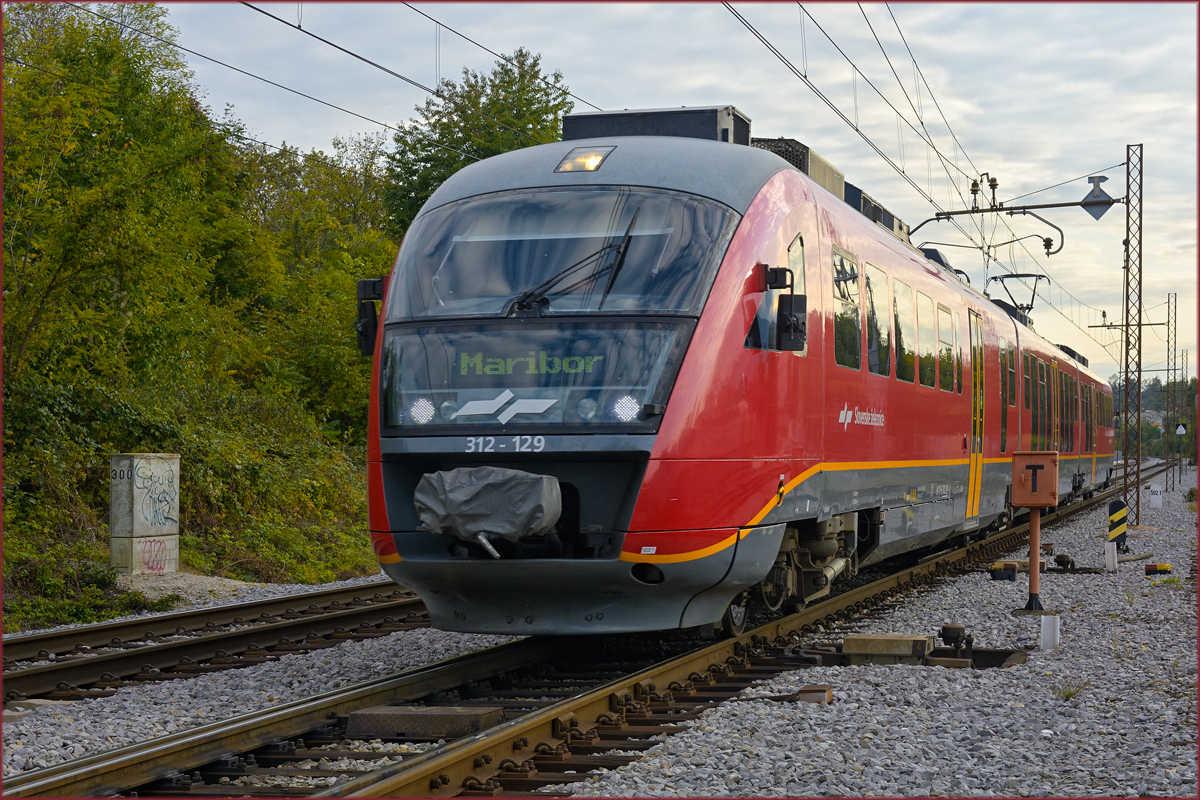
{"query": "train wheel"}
{"type": "Point", "coordinates": [733, 621]}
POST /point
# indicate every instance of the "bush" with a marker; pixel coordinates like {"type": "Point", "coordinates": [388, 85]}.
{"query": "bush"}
{"type": "Point", "coordinates": [1191, 495]}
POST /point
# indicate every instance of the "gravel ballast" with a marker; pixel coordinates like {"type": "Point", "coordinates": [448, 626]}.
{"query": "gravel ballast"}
{"type": "Point", "coordinates": [1111, 712]}
{"type": "Point", "coordinates": [205, 591]}
{"type": "Point", "coordinates": [60, 732]}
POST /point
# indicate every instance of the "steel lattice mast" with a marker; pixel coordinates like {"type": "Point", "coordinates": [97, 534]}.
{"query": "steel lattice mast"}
{"type": "Point", "coordinates": [1169, 421]}
{"type": "Point", "coordinates": [1131, 367]}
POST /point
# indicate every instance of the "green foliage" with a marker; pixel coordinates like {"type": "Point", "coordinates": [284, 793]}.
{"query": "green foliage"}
{"type": "Point", "coordinates": [66, 583]}
{"type": "Point", "coordinates": [169, 290]}
{"type": "Point", "coordinates": [1191, 494]}
{"type": "Point", "coordinates": [514, 106]}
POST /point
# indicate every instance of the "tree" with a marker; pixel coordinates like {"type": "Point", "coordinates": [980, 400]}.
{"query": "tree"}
{"type": "Point", "coordinates": [325, 214]}
{"type": "Point", "coordinates": [514, 106]}
{"type": "Point", "coordinates": [169, 290]}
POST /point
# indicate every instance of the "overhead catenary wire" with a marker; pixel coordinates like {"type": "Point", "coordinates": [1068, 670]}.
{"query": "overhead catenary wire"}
{"type": "Point", "coordinates": [833, 107]}
{"type": "Point", "coordinates": [1024, 247]}
{"type": "Point", "coordinates": [941, 158]}
{"type": "Point", "coordinates": [435, 92]}
{"type": "Point", "coordinates": [930, 90]}
{"type": "Point", "coordinates": [1064, 183]}
{"type": "Point", "coordinates": [149, 35]}
{"type": "Point", "coordinates": [215, 127]}
{"type": "Point", "coordinates": [500, 56]}
{"type": "Point", "coordinates": [983, 248]}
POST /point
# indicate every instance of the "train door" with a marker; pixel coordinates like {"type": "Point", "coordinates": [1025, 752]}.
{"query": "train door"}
{"type": "Point", "coordinates": [975, 454]}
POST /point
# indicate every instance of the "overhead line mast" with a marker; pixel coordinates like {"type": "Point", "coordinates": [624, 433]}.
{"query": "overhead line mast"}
{"type": "Point", "coordinates": [1169, 418]}
{"type": "Point", "coordinates": [1131, 366]}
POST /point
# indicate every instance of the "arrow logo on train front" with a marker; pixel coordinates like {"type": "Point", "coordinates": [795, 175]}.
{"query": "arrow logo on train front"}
{"type": "Point", "coordinates": [480, 407]}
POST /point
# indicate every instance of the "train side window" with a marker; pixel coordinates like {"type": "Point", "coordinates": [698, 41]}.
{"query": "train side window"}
{"type": "Point", "coordinates": [1003, 350]}
{"type": "Point", "coordinates": [906, 332]}
{"type": "Point", "coordinates": [847, 332]}
{"type": "Point", "coordinates": [879, 340]}
{"type": "Point", "coordinates": [763, 330]}
{"type": "Point", "coordinates": [958, 359]}
{"type": "Point", "coordinates": [1025, 375]}
{"type": "Point", "coordinates": [1044, 401]}
{"type": "Point", "coordinates": [796, 265]}
{"type": "Point", "coordinates": [1012, 374]}
{"type": "Point", "coordinates": [796, 262]}
{"type": "Point", "coordinates": [1035, 429]}
{"type": "Point", "coordinates": [945, 349]}
{"type": "Point", "coordinates": [926, 334]}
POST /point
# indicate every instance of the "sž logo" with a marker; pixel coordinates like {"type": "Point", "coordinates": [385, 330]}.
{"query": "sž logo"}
{"type": "Point", "coordinates": [484, 407]}
{"type": "Point", "coordinates": [874, 419]}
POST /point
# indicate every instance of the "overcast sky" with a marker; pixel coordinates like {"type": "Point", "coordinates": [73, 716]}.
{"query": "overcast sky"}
{"type": "Point", "coordinates": [1036, 94]}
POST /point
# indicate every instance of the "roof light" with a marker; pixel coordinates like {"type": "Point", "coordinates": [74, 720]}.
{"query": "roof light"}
{"type": "Point", "coordinates": [584, 159]}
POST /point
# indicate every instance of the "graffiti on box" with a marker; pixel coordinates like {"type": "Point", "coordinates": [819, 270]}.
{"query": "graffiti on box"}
{"type": "Point", "coordinates": [154, 555]}
{"type": "Point", "coordinates": [154, 483]}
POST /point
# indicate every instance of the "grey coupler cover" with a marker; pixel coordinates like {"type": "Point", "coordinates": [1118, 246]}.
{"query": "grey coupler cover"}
{"type": "Point", "coordinates": [468, 501]}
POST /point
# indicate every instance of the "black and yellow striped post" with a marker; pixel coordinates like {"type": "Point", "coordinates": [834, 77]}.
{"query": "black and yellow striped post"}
{"type": "Point", "coordinates": [1118, 514]}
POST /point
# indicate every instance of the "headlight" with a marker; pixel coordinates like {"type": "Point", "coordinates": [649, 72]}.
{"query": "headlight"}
{"type": "Point", "coordinates": [448, 408]}
{"type": "Point", "coordinates": [626, 409]}
{"type": "Point", "coordinates": [421, 411]}
{"type": "Point", "coordinates": [586, 408]}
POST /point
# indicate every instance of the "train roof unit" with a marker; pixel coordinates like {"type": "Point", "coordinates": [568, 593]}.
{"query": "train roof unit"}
{"type": "Point", "coordinates": [871, 208]}
{"type": "Point", "coordinates": [805, 159]}
{"type": "Point", "coordinates": [718, 123]}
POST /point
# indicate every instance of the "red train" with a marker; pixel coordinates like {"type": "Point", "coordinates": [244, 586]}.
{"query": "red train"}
{"type": "Point", "coordinates": [631, 382]}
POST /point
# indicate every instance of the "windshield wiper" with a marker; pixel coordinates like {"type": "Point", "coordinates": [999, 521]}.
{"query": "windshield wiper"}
{"type": "Point", "coordinates": [529, 302]}
{"type": "Point", "coordinates": [530, 299]}
{"type": "Point", "coordinates": [620, 262]}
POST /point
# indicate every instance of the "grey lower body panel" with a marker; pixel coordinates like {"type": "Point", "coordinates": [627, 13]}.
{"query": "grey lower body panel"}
{"type": "Point", "coordinates": [539, 596]}
{"type": "Point", "coordinates": [753, 558]}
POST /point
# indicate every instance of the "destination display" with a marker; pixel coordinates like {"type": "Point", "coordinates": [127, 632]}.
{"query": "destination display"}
{"type": "Point", "coordinates": [530, 374]}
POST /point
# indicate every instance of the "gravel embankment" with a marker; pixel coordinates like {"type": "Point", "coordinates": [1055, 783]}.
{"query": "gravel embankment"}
{"type": "Point", "coordinates": [1112, 712]}
{"type": "Point", "coordinates": [63, 731]}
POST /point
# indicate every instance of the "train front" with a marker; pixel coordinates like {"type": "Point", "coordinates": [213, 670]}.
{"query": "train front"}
{"type": "Point", "coordinates": [532, 330]}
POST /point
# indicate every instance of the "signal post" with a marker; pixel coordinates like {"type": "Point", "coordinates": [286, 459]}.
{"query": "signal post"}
{"type": "Point", "coordinates": [1035, 486]}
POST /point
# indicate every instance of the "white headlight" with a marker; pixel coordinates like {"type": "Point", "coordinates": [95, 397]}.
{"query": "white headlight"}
{"type": "Point", "coordinates": [449, 408]}
{"type": "Point", "coordinates": [421, 411]}
{"type": "Point", "coordinates": [626, 409]}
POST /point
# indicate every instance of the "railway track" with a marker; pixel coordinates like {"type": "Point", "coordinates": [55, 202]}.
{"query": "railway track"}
{"type": "Point", "coordinates": [573, 705]}
{"type": "Point", "coordinates": [96, 660]}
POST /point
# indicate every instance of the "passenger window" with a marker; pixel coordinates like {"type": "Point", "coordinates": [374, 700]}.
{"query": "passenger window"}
{"type": "Point", "coordinates": [1003, 396]}
{"type": "Point", "coordinates": [796, 262]}
{"type": "Point", "coordinates": [1012, 374]}
{"type": "Point", "coordinates": [1035, 430]}
{"type": "Point", "coordinates": [926, 327]}
{"type": "Point", "coordinates": [847, 334]}
{"type": "Point", "coordinates": [945, 349]}
{"type": "Point", "coordinates": [879, 350]}
{"type": "Point", "coordinates": [958, 358]}
{"type": "Point", "coordinates": [906, 332]}
{"type": "Point", "coordinates": [762, 333]}
{"type": "Point", "coordinates": [1025, 374]}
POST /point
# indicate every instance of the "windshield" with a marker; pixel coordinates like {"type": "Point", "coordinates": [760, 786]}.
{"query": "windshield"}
{"type": "Point", "coordinates": [479, 256]}
{"type": "Point", "coordinates": [530, 374]}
